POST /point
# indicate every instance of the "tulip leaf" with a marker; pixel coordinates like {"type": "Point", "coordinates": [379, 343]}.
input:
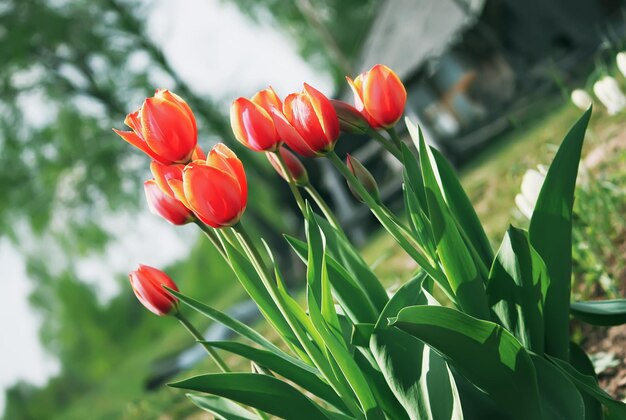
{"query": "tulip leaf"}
{"type": "Point", "coordinates": [484, 352]}
{"type": "Point", "coordinates": [350, 295]}
{"type": "Point", "coordinates": [551, 235]}
{"type": "Point", "coordinates": [589, 385]}
{"type": "Point", "coordinates": [559, 396]}
{"type": "Point", "coordinates": [306, 377]}
{"type": "Point", "coordinates": [463, 275]}
{"type": "Point", "coordinates": [263, 392]}
{"type": "Point", "coordinates": [580, 361]}
{"type": "Point", "coordinates": [252, 283]}
{"type": "Point", "coordinates": [517, 285]}
{"type": "Point", "coordinates": [413, 176]}
{"type": "Point", "coordinates": [600, 312]}
{"type": "Point", "coordinates": [221, 408]}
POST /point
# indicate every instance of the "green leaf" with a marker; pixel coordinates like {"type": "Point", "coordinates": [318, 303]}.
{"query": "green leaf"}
{"type": "Point", "coordinates": [463, 275]}
{"type": "Point", "coordinates": [588, 384]}
{"type": "Point", "coordinates": [304, 376]}
{"type": "Point", "coordinates": [263, 392]}
{"type": "Point", "coordinates": [418, 377]}
{"type": "Point", "coordinates": [462, 209]}
{"type": "Point", "coordinates": [252, 283]}
{"type": "Point", "coordinates": [517, 285]}
{"type": "Point", "coordinates": [551, 235]}
{"type": "Point", "coordinates": [351, 295]}
{"type": "Point", "coordinates": [413, 176]}
{"type": "Point", "coordinates": [580, 361]}
{"type": "Point", "coordinates": [487, 354]}
{"type": "Point", "coordinates": [348, 257]}
{"type": "Point", "coordinates": [600, 312]}
{"type": "Point", "coordinates": [227, 321]}
{"type": "Point", "coordinates": [221, 408]}
{"type": "Point", "coordinates": [559, 396]}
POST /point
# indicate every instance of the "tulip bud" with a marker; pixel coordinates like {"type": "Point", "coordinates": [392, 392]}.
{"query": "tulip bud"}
{"type": "Point", "coordinates": [164, 128]}
{"type": "Point", "coordinates": [308, 123]}
{"type": "Point", "coordinates": [165, 206]}
{"type": "Point", "coordinates": [379, 96]}
{"type": "Point", "coordinates": [350, 119]}
{"type": "Point", "coordinates": [297, 171]}
{"type": "Point", "coordinates": [365, 178]}
{"type": "Point", "coordinates": [147, 283]}
{"type": "Point", "coordinates": [252, 123]}
{"type": "Point", "coordinates": [215, 189]}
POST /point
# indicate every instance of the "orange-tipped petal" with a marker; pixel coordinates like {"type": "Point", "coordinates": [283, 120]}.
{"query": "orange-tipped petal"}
{"type": "Point", "coordinates": [384, 95]}
{"type": "Point", "coordinates": [290, 135]}
{"type": "Point", "coordinates": [136, 141]}
{"type": "Point", "coordinates": [178, 189]}
{"type": "Point", "coordinates": [325, 112]}
{"type": "Point", "coordinates": [164, 205]}
{"type": "Point", "coordinates": [267, 98]}
{"type": "Point", "coordinates": [253, 126]}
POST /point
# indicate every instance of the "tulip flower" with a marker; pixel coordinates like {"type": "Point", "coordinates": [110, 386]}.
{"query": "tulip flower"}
{"type": "Point", "coordinates": [297, 171]}
{"type": "Point", "coordinates": [608, 91]}
{"type": "Point", "coordinates": [215, 189]}
{"type": "Point", "coordinates": [147, 283]}
{"type": "Point", "coordinates": [164, 173]}
{"type": "Point", "coordinates": [581, 99]}
{"type": "Point", "coordinates": [164, 128]}
{"type": "Point", "coordinates": [379, 96]}
{"type": "Point", "coordinates": [252, 123]}
{"type": "Point", "coordinates": [308, 123]}
{"type": "Point", "coordinates": [365, 178]}
{"type": "Point", "coordinates": [350, 119]}
{"type": "Point", "coordinates": [166, 206]}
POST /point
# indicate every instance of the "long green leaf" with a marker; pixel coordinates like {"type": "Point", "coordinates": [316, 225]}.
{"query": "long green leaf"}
{"type": "Point", "coordinates": [551, 235]}
{"type": "Point", "coordinates": [588, 384]}
{"type": "Point", "coordinates": [559, 396]}
{"type": "Point", "coordinates": [349, 293]}
{"type": "Point", "coordinates": [306, 377]}
{"type": "Point", "coordinates": [517, 285]}
{"type": "Point", "coordinates": [463, 275]}
{"type": "Point", "coordinates": [221, 408]}
{"type": "Point", "coordinates": [487, 354]}
{"type": "Point", "coordinates": [600, 312]}
{"type": "Point", "coordinates": [264, 392]}
{"type": "Point", "coordinates": [462, 208]}
{"type": "Point", "coordinates": [580, 361]}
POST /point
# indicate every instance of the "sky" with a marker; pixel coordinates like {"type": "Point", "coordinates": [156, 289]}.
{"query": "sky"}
{"type": "Point", "coordinates": [220, 53]}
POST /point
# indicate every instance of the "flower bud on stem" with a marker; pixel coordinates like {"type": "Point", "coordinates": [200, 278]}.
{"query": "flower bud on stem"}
{"type": "Point", "coordinates": [292, 183]}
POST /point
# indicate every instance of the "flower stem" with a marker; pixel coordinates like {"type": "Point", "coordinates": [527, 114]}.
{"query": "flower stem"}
{"type": "Point", "coordinates": [196, 334]}
{"type": "Point", "coordinates": [391, 148]}
{"type": "Point", "coordinates": [397, 141]}
{"type": "Point", "coordinates": [212, 237]}
{"type": "Point", "coordinates": [292, 183]}
{"type": "Point", "coordinates": [323, 205]}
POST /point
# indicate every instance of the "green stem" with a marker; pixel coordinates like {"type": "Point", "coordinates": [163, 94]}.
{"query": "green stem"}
{"type": "Point", "coordinates": [397, 141]}
{"type": "Point", "coordinates": [323, 205]}
{"type": "Point", "coordinates": [292, 183]}
{"type": "Point", "coordinates": [403, 238]}
{"type": "Point", "coordinates": [391, 148]}
{"type": "Point", "coordinates": [212, 237]}
{"type": "Point", "coordinates": [196, 334]}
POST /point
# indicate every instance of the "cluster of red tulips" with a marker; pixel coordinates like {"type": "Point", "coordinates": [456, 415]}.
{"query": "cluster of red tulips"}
{"type": "Point", "coordinates": [211, 189]}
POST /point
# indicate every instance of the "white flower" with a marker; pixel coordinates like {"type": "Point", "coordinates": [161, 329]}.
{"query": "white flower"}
{"type": "Point", "coordinates": [608, 91]}
{"type": "Point", "coordinates": [531, 186]}
{"type": "Point", "coordinates": [621, 62]}
{"type": "Point", "coordinates": [581, 99]}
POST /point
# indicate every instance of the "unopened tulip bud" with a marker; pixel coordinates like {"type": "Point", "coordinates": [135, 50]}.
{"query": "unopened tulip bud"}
{"type": "Point", "coordinates": [147, 283]}
{"type": "Point", "coordinates": [365, 178]}
{"type": "Point", "coordinates": [161, 204]}
{"type": "Point", "coordinates": [379, 95]}
{"type": "Point", "coordinates": [252, 123]}
{"type": "Point", "coordinates": [164, 128]}
{"type": "Point", "coordinates": [297, 171]}
{"type": "Point", "coordinates": [350, 119]}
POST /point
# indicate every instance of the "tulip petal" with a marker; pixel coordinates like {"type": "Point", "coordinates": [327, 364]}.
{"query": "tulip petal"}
{"type": "Point", "coordinates": [253, 126]}
{"type": "Point", "coordinates": [384, 95]}
{"type": "Point", "coordinates": [164, 205]}
{"type": "Point", "coordinates": [325, 112]}
{"type": "Point", "coordinates": [266, 99]}
{"type": "Point", "coordinates": [163, 173]}
{"type": "Point", "coordinates": [290, 135]}
{"type": "Point", "coordinates": [177, 188]}
{"type": "Point", "coordinates": [136, 141]}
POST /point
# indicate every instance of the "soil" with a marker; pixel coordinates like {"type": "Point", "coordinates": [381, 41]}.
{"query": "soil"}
{"type": "Point", "coordinates": [612, 341]}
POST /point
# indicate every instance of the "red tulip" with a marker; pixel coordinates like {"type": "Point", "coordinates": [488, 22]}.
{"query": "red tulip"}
{"type": "Point", "coordinates": [215, 189]}
{"type": "Point", "coordinates": [379, 95]}
{"type": "Point", "coordinates": [165, 206]}
{"type": "Point", "coordinates": [164, 173]}
{"type": "Point", "coordinates": [147, 283]}
{"type": "Point", "coordinates": [308, 123]}
{"type": "Point", "coordinates": [164, 128]}
{"type": "Point", "coordinates": [252, 123]}
{"type": "Point", "coordinates": [365, 178]}
{"type": "Point", "coordinates": [297, 171]}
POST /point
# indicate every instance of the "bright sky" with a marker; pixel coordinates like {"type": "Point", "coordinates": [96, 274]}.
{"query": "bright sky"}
{"type": "Point", "coordinates": [221, 54]}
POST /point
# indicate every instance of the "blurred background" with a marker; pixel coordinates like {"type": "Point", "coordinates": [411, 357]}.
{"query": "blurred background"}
{"type": "Point", "coordinates": [488, 80]}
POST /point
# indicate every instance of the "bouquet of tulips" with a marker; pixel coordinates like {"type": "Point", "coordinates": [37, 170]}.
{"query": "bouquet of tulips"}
{"type": "Point", "coordinates": [494, 345]}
